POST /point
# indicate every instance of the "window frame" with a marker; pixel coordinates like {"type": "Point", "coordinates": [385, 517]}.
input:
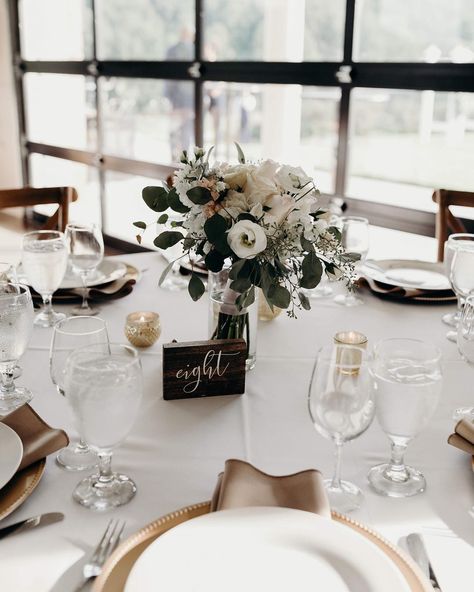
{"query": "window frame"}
{"type": "Point", "coordinates": [385, 75]}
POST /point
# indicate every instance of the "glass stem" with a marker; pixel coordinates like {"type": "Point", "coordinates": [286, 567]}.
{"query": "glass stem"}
{"type": "Point", "coordinates": [8, 385]}
{"type": "Point", "coordinates": [47, 304]}
{"type": "Point", "coordinates": [82, 446]}
{"type": "Point", "coordinates": [396, 469]}
{"type": "Point", "coordinates": [84, 304]}
{"type": "Point", "coordinates": [105, 468]}
{"type": "Point", "coordinates": [336, 478]}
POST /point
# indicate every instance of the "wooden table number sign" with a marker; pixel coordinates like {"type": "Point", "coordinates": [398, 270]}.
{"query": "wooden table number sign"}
{"type": "Point", "coordinates": [204, 368]}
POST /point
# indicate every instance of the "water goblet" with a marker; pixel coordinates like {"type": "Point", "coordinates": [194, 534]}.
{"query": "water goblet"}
{"type": "Point", "coordinates": [341, 407]}
{"type": "Point", "coordinates": [407, 381]}
{"type": "Point", "coordinates": [68, 335]}
{"type": "Point", "coordinates": [44, 260]}
{"type": "Point", "coordinates": [16, 326]}
{"type": "Point", "coordinates": [455, 241]}
{"type": "Point", "coordinates": [355, 239]}
{"type": "Point", "coordinates": [86, 251]}
{"type": "Point", "coordinates": [462, 274]}
{"type": "Point", "coordinates": [466, 347]}
{"type": "Point", "coordinates": [105, 389]}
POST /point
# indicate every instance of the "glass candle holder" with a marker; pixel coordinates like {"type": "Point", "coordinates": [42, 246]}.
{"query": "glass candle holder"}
{"type": "Point", "coordinates": [351, 357]}
{"type": "Point", "coordinates": [143, 329]}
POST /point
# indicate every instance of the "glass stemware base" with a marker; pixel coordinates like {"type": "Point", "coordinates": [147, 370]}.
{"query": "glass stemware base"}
{"type": "Point", "coordinates": [348, 300]}
{"type": "Point", "coordinates": [11, 400]}
{"type": "Point", "coordinates": [175, 282]}
{"type": "Point", "coordinates": [85, 311]}
{"type": "Point", "coordinates": [48, 318]}
{"type": "Point", "coordinates": [345, 497]}
{"type": "Point", "coordinates": [452, 336]}
{"type": "Point", "coordinates": [98, 493]}
{"type": "Point", "coordinates": [402, 481]}
{"type": "Point", "coordinates": [451, 319]}
{"type": "Point", "coordinates": [323, 291]}
{"type": "Point", "coordinates": [463, 413]}
{"type": "Point", "coordinates": [77, 457]}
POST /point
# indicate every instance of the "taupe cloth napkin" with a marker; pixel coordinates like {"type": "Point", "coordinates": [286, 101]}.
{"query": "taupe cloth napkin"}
{"type": "Point", "coordinates": [38, 438]}
{"type": "Point", "coordinates": [463, 437]}
{"type": "Point", "coordinates": [398, 293]}
{"type": "Point", "coordinates": [242, 485]}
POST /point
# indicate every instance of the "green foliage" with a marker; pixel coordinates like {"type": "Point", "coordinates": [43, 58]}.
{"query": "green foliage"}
{"type": "Point", "coordinates": [279, 296]}
{"type": "Point", "coordinates": [163, 219]}
{"type": "Point", "coordinates": [241, 284]}
{"type": "Point", "coordinates": [175, 203]}
{"type": "Point", "coordinates": [215, 228]}
{"type": "Point", "coordinates": [312, 270]}
{"type": "Point", "coordinates": [156, 198]}
{"type": "Point", "coordinates": [196, 287]}
{"type": "Point", "coordinates": [167, 239]}
{"type": "Point", "coordinates": [141, 225]}
{"type": "Point", "coordinates": [246, 299]}
{"type": "Point", "coordinates": [214, 261]}
{"type": "Point", "coordinates": [165, 272]}
{"type": "Point", "coordinates": [199, 195]}
{"type": "Point", "coordinates": [304, 301]}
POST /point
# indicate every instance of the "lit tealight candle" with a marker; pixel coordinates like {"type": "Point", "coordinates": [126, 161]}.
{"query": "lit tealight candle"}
{"type": "Point", "coordinates": [351, 338]}
{"type": "Point", "coordinates": [143, 329]}
{"type": "Point", "coordinates": [350, 358]}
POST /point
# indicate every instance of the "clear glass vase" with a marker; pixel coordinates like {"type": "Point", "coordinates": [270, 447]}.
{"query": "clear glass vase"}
{"type": "Point", "coordinates": [226, 320]}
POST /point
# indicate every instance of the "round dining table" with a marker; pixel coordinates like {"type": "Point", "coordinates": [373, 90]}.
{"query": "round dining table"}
{"type": "Point", "coordinates": [177, 448]}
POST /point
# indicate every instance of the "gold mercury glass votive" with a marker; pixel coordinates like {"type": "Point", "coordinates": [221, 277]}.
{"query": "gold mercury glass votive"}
{"type": "Point", "coordinates": [265, 313]}
{"type": "Point", "coordinates": [143, 329]}
{"type": "Point", "coordinates": [350, 357]}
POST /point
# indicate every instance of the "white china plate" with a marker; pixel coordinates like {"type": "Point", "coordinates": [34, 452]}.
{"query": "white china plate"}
{"type": "Point", "coordinates": [12, 453]}
{"type": "Point", "coordinates": [255, 549]}
{"type": "Point", "coordinates": [108, 270]}
{"type": "Point", "coordinates": [416, 275]}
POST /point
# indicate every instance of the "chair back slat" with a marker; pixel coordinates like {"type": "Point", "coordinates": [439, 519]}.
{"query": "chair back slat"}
{"type": "Point", "coordinates": [445, 221]}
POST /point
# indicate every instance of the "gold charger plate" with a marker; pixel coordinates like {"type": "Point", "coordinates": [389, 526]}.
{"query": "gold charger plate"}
{"type": "Point", "coordinates": [20, 487]}
{"type": "Point", "coordinates": [116, 570]}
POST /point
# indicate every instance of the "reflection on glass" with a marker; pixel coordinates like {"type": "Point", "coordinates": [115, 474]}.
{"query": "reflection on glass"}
{"type": "Point", "coordinates": [274, 30]}
{"type": "Point", "coordinates": [61, 110]}
{"type": "Point", "coordinates": [404, 143]}
{"type": "Point", "coordinates": [55, 29]}
{"type": "Point", "coordinates": [384, 31]}
{"type": "Point", "coordinates": [151, 120]}
{"type": "Point", "coordinates": [144, 29]}
{"type": "Point", "coordinates": [306, 134]}
{"type": "Point", "coordinates": [47, 171]}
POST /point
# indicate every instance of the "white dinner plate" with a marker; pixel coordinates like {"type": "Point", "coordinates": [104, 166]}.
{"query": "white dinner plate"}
{"type": "Point", "coordinates": [256, 549]}
{"type": "Point", "coordinates": [108, 270]}
{"type": "Point", "coordinates": [416, 275]}
{"type": "Point", "coordinates": [11, 455]}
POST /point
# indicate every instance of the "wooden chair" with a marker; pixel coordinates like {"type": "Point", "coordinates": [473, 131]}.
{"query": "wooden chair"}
{"type": "Point", "coordinates": [30, 196]}
{"type": "Point", "coordinates": [445, 221]}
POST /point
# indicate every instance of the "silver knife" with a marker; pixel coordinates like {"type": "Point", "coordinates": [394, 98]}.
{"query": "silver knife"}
{"type": "Point", "coordinates": [416, 548]}
{"type": "Point", "coordinates": [41, 520]}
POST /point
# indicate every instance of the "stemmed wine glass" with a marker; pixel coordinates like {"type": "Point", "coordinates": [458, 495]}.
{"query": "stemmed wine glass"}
{"type": "Point", "coordinates": [355, 239]}
{"type": "Point", "coordinates": [69, 335]}
{"type": "Point", "coordinates": [86, 249]}
{"type": "Point", "coordinates": [341, 406]}
{"type": "Point", "coordinates": [407, 379]}
{"type": "Point", "coordinates": [105, 389]}
{"type": "Point", "coordinates": [466, 347]}
{"type": "Point", "coordinates": [44, 260]}
{"type": "Point", "coordinates": [462, 273]}
{"type": "Point", "coordinates": [16, 326]}
{"type": "Point", "coordinates": [455, 241]}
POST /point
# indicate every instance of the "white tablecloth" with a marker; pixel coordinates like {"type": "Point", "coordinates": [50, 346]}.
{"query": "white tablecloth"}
{"type": "Point", "coordinates": [177, 448]}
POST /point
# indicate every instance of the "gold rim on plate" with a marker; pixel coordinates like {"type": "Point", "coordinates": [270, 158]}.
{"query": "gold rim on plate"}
{"type": "Point", "coordinates": [116, 570]}
{"type": "Point", "coordinates": [20, 487]}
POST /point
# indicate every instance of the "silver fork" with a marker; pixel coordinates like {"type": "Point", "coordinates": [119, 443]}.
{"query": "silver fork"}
{"type": "Point", "coordinates": [107, 545]}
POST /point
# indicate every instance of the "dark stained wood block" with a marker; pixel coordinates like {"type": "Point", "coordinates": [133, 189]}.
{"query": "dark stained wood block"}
{"type": "Point", "coordinates": [204, 368]}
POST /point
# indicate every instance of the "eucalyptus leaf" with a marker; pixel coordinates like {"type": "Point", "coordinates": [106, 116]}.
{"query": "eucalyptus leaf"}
{"type": "Point", "coordinates": [335, 232]}
{"type": "Point", "coordinates": [141, 225]}
{"type": "Point", "coordinates": [246, 216]}
{"type": "Point", "coordinates": [246, 299]}
{"type": "Point", "coordinates": [163, 219]}
{"type": "Point", "coordinates": [240, 154]}
{"type": "Point", "coordinates": [312, 269]}
{"type": "Point", "coordinates": [156, 198]}
{"type": "Point", "coordinates": [175, 203]}
{"type": "Point", "coordinates": [196, 287]}
{"type": "Point", "coordinates": [240, 285]}
{"type": "Point", "coordinates": [236, 268]}
{"type": "Point", "coordinates": [214, 261]}
{"type": "Point", "coordinates": [306, 244]}
{"type": "Point", "coordinates": [139, 238]}
{"type": "Point", "coordinates": [165, 272]}
{"type": "Point", "coordinates": [215, 228]}
{"type": "Point", "coordinates": [168, 239]}
{"type": "Point", "coordinates": [305, 303]}
{"type": "Point", "coordinates": [199, 195]}
{"type": "Point", "coordinates": [279, 296]}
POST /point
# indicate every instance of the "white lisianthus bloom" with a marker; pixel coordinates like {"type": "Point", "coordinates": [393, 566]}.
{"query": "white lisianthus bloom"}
{"type": "Point", "coordinates": [261, 184]}
{"type": "Point", "coordinates": [247, 239]}
{"type": "Point", "coordinates": [291, 179]}
{"type": "Point", "coordinates": [280, 207]}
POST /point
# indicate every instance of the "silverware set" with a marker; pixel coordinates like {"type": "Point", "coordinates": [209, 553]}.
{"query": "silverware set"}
{"type": "Point", "coordinates": [416, 548]}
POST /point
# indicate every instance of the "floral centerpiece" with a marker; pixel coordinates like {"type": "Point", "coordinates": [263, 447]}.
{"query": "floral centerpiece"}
{"type": "Point", "coordinates": [257, 222]}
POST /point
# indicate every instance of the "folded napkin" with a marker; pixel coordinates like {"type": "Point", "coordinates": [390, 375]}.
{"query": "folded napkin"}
{"type": "Point", "coordinates": [463, 437]}
{"type": "Point", "coordinates": [412, 295]}
{"type": "Point", "coordinates": [38, 438]}
{"type": "Point", "coordinates": [242, 485]}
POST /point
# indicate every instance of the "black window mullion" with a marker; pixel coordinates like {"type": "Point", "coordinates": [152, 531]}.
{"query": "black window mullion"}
{"type": "Point", "coordinates": [198, 84]}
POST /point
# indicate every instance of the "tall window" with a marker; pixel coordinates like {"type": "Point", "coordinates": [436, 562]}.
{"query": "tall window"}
{"type": "Point", "coordinates": [374, 98]}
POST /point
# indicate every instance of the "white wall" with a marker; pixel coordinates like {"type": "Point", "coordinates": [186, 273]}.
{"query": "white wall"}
{"type": "Point", "coordinates": [10, 170]}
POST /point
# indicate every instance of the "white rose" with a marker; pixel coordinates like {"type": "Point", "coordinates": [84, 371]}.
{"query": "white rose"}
{"type": "Point", "coordinates": [236, 201]}
{"type": "Point", "coordinates": [247, 239]}
{"type": "Point", "coordinates": [292, 178]}
{"type": "Point", "coordinates": [236, 177]}
{"type": "Point", "coordinates": [280, 206]}
{"type": "Point", "coordinates": [261, 183]}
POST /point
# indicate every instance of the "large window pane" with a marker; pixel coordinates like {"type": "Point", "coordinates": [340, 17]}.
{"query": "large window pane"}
{"type": "Point", "coordinates": [61, 110]}
{"type": "Point", "coordinates": [124, 205]}
{"type": "Point", "coordinates": [56, 29]}
{"type": "Point", "coordinates": [56, 172]}
{"type": "Point", "coordinates": [414, 31]}
{"type": "Point", "coordinates": [145, 30]}
{"type": "Point", "coordinates": [274, 30]}
{"type": "Point", "coordinates": [289, 123]}
{"type": "Point", "coordinates": [404, 144]}
{"type": "Point", "coordinates": [151, 120]}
